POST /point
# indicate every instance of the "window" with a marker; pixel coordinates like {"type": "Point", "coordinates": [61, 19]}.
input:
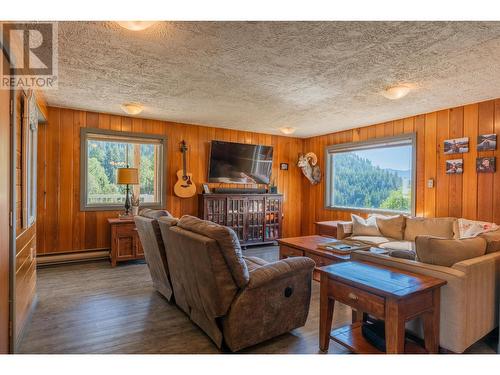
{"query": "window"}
{"type": "Point", "coordinates": [29, 159]}
{"type": "Point", "coordinates": [103, 152]}
{"type": "Point", "coordinates": [377, 175]}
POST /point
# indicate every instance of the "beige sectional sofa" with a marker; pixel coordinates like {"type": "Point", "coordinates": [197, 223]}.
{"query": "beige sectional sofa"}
{"type": "Point", "coordinates": [469, 300]}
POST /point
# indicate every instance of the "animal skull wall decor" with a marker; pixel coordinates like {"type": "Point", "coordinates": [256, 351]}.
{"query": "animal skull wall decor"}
{"type": "Point", "coordinates": [310, 169]}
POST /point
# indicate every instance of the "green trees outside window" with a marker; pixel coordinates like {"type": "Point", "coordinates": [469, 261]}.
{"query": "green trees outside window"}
{"type": "Point", "coordinates": [372, 179]}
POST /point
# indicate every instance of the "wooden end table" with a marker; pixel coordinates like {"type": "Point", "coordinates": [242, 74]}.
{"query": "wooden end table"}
{"type": "Point", "coordinates": [327, 228]}
{"type": "Point", "coordinates": [386, 293]}
{"type": "Point", "coordinates": [125, 242]}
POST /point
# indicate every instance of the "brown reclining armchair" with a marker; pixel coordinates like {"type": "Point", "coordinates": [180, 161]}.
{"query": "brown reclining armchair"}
{"type": "Point", "coordinates": [238, 300]}
{"type": "Point", "coordinates": [154, 250]}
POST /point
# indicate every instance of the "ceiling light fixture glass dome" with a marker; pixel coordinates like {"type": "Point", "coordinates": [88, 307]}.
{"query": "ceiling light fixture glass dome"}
{"type": "Point", "coordinates": [396, 92]}
{"type": "Point", "coordinates": [136, 25]}
{"type": "Point", "coordinates": [132, 108]}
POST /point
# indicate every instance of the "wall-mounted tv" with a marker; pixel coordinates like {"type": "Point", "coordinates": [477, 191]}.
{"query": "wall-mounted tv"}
{"type": "Point", "coordinates": [240, 163]}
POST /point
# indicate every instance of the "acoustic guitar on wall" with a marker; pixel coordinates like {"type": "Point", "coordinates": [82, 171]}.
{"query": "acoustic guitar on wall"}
{"type": "Point", "coordinates": [184, 187]}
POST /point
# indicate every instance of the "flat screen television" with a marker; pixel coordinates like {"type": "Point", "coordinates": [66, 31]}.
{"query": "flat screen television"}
{"type": "Point", "coordinates": [240, 163]}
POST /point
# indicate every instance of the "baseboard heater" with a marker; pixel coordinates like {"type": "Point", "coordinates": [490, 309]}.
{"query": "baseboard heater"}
{"type": "Point", "coordinates": [81, 256]}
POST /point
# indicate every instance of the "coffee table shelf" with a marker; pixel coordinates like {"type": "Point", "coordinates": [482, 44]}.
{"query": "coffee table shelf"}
{"type": "Point", "coordinates": [351, 337]}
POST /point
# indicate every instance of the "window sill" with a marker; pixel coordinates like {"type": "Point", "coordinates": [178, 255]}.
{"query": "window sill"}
{"type": "Point", "coordinates": [368, 210]}
{"type": "Point", "coordinates": [155, 206]}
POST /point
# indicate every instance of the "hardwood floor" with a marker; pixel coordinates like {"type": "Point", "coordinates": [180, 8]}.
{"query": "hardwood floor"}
{"type": "Point", "coordinates": [93, 308]}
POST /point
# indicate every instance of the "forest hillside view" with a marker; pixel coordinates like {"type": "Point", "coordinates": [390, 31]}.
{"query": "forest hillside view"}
{"type": "Point", "coordinates": [358, 183]}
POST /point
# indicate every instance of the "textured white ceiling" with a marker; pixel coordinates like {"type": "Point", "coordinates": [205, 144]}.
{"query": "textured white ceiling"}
{"type": "Point", "coordinates": [317, 76]}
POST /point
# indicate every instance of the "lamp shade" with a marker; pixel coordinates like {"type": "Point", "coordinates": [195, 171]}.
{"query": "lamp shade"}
{"type": "Point", "coordinates": [127, 176]}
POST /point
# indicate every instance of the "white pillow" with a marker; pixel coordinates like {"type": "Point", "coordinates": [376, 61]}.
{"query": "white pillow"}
{"type": "Point", "coordinates": [364, 227]}
{"type": "Point", "coordinates": [472, 228]}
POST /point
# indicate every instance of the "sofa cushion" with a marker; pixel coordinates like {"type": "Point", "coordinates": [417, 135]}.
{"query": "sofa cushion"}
{"type": "Point", "coordinates": [447, 252]}
{"type": "Point", "coordinates": [364, 227]}
{"type": "Point", "coordinates": [228, 243]}
{"type": "Point", "coordinates": [253, 263]}
{"type": "Point", "coordinates": [398, 245]}
{"type": "Point", "coordinates": [154, 214]}
{"type": "Point", "coordinates": [391, 226]}
{"type": "Point", "coordinates": [492, 240]}
{"type": "Point", "coordinates": [403, 254]}
{"type": "Point", "coordinates": [170, 221]}
{"type": "Point", "coordinates": [400, 249]}
{"type": "Point", "coordinates": [371, 240]}
{"type": "Point", "coordinates": [436, 227]}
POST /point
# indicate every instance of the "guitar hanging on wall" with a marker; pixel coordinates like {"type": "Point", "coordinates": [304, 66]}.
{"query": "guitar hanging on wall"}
{"type": "Point", "coordinates": [184, 187]}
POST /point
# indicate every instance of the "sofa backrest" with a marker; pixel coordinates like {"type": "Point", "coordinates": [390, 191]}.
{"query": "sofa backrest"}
{"type": "Point", "coordinates": [199, 268]}
{"type": "Point", "coordinates": [228, 242]}
{"type": "Point", "coordinates": [154, 249]}
{"type": "Point", "coordinates": [436, 226]}
{"type": "Point", "coordinates": [492, 241]}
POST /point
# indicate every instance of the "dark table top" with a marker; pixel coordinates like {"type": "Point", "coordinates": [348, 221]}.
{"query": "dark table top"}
{"type": "Point", "coordinates": [381, 280]}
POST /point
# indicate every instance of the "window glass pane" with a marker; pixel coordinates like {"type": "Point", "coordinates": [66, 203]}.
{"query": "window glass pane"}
{"type": "Point", "coordinates": [104, 157]}
{"type": "Point", "coordinates": [377, 178]}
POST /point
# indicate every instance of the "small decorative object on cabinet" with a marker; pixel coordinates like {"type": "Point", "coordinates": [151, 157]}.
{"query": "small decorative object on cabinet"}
{"type": "Point", "coordinates": [127, 176]}
{"type": "Point", "coordinates": [125, 242]}
{"type": "Point", "coordinates": [273, 189]}
{"type": "Point", "coordinates": [135, 204]}
{"type": "Point", "coordinates": [256, 218]}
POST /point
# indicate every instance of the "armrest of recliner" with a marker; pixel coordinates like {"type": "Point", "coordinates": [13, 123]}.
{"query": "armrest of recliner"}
{"type": "Point", "coordinates": [279, 270]}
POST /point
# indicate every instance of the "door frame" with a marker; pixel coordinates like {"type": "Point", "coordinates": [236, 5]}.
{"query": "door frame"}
{"type": "Point", "coordinates": [13, 220]}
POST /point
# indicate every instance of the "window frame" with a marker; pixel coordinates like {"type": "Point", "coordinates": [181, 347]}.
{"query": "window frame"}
{"type": "Point", "coordinates": [394, 141]}
{"type": "Point", "coordinates": [162, 158]}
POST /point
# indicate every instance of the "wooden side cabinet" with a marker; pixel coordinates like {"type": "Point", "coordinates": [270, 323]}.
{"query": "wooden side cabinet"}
{"type": "Point", "coordinates": [255, 218]}
{"type": "Point", "coordinates": [125, 242]}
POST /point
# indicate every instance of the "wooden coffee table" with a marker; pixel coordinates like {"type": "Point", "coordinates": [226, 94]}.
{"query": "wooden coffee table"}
{"type": "Point", "coordinates": [308, 246]}
{"type": "Point", "coordinates": [383, 292]}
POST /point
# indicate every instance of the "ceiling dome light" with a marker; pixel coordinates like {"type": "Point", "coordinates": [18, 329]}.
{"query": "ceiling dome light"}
{"type": "Point", "coordinates": [287, 130]}
{"type": "Point", "coordinates": [136, 25]}
{"type": "Point", "coordinates": [396, 92]}
{"type": "Point", "coordinates": [132, 108]}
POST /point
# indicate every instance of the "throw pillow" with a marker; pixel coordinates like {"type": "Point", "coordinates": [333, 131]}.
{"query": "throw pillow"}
{"type": "Point", "coordinates": [364, 227]}
{"type": "Point", "coordinates": [472, 228]}
{"type": "Point", "coordinates": [391, 226]}
{"type": "Point", "coordinates": [446, 252]}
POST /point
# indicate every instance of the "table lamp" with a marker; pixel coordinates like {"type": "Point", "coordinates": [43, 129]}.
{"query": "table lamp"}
{"type": "Point", "coordinates": [127, 176]}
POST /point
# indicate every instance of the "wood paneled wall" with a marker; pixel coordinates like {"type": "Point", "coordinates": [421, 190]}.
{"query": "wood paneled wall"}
{"type": "Point", "coordinates": [470, 195]}
{"type": "Point", "coordinates": [62, 227]}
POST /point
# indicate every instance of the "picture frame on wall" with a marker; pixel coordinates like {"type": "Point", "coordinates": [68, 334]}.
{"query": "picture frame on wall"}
{"type": "Point", "coordinates": [455, 166]}
{"type": "Point", "coordinates": [486, 165]}
{"type": "Point", "coordinates": [456, 146]}
{"type": "Point", "coordinates": [487, 142]}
